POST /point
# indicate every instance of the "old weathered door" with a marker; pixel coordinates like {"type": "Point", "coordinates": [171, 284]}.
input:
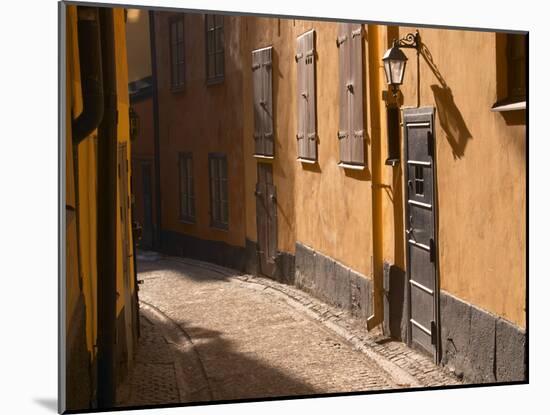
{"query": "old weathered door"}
{"type": "Point", "coordinates": [266, 219]}
{"type": "Point", "coordinates": [147, 233]}
{"type": "Point", "coordinates": [124, 206]}
{"type": "Point", "coordinates": [421, 233]}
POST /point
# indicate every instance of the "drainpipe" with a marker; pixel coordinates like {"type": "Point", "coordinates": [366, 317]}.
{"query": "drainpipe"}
{"type": "Point", "coordinates": [156, 135]}
{"type": "Point", "coordinates": [91, 78]}
{"type": "Point", "coordinates": [376, 155]}
{"type": "Point", "coordinates": [106, 218]}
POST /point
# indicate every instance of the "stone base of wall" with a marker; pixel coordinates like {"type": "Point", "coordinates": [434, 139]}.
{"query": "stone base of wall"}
{"type": "Point", "coordinates": [79, 369]}
{"type": "Point", "coordinates": [284, 264]}
{"type": "Point", "coordinates": [217, 252]}
{"type": "Point", "coordinates": [479, 346]}
{"type": "Point", "coordinates": [333, 282]}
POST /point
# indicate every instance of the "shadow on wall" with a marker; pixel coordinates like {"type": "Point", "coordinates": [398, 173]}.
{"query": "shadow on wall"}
{"type": "Point", "coordinates": [449, 115]}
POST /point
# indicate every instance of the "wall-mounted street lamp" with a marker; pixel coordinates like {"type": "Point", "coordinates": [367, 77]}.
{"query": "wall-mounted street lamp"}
{"type": "Point", "coordinates": [395, 60]}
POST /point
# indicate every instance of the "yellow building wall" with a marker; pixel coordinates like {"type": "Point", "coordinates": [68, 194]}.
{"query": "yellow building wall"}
{"type": "Point", "coordinates": [323, 206]}
{"type": "Point", "coordinates": [83, 261]}
{"type": "Point", "coordinates": [123, 137]}
{"type": "Point", "coordinates": [185, 126]}
{"type": "Point", "coordinates": [481, 169]}
{"type": "Point", "coordinates": [258, 33]}
{"type": "Point", "coordinates": [85, 200]}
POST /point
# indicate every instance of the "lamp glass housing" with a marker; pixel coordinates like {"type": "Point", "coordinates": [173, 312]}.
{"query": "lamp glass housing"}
{"type": "Point", "coordinates": [394, 66]}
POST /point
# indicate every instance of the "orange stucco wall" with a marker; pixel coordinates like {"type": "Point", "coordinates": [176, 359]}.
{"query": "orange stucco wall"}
{"type": "Point", "coordinates": [481, 168]}
{"type": "Point", "coordinates": [201, 119]}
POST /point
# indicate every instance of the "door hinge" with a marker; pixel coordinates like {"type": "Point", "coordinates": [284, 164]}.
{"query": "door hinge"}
{"type": "Point", "coordinates": [433, 330]}
{"type": "Point", "coordinates": [432, 250]}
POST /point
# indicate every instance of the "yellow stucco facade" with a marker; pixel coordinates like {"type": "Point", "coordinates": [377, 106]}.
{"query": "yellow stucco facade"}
{"type": "Point", "coordinates": [481, 176]}
{"type": "Point", "coordinates": [357, 217]}
{"type": "Point", "coordinates": [82, 223]}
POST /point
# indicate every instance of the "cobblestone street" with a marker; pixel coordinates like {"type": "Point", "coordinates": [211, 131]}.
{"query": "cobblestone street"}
{"type": "Point", "coordinates": [211, 334]}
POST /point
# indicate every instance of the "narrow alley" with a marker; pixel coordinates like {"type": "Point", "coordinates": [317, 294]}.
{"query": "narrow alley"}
{"type": "Point", "coordinates": [208, 333]}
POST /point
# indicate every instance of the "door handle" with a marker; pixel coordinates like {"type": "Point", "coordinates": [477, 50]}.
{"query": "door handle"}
{"type": "Point", "coordinates": [257, 193]}
{"type": "Point", "coordinates": [273, 198]}
{"type": "Point", "coordinates": [410, 233]}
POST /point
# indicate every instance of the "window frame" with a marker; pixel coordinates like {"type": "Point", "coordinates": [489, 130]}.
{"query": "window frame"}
{"type": "Point", "coordinates": [185, 159]}
{"type": "Point", "coordinates": [217, 78]}
{"type": "Point", "coordinates": [507, 100]}
{"type": "Point", "coordinates": [180, 85]}
{"type": "Point", "coordinates": [217, 219]}
{"type": "Point", "coordinates": [513, 62]}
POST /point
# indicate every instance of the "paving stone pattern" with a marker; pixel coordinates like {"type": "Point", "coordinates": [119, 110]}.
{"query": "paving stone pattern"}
{"type": "Point", "coordinates": [218, 335]}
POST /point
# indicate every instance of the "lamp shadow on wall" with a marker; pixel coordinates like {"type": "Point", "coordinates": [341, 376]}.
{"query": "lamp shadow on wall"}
{"type": "Point", "coordinates": [450, 117]}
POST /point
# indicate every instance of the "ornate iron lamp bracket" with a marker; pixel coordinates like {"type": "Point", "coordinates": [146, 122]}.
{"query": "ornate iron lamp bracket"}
{"type": "Point", "coordinates": [410, 40]}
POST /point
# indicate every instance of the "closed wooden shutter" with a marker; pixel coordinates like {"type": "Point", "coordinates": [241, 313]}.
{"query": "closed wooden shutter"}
{"type": "Point", "coordinates": [267, 100]}
{"type": "Point", "coordinates": [301, 91]}
{"type": "Point", "coordinates": [343, 44]}
{"type": "Point", "coordinates": [257, 98]}
{"type": "Point", "coordinates": [356, 95]}
{"type": "Point", "coordinates": [307, 116]}
{"type": "Point", "coordinates": [263, 101]}
{"type": "Point", "coordinates": [351, 133]}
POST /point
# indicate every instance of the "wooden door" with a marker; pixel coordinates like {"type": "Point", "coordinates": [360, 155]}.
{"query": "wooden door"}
{"type": "Point", "coordinates": [266, 219]}
{"type": "Point", "coordinates": [421, 234]}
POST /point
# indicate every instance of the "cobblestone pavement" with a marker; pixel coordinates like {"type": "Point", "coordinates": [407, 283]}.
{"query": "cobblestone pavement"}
{"type": "Point", "coordinates": [209, 333]}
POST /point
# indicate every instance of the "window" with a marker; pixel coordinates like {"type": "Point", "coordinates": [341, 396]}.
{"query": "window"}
{"type": "Point", "coordinates": [418, 180]}
{"type": "Point", "coordinates": [219, 206]}
{"type": "Point", "coordinates": [177, 59]}
{"type": "Point", "coordinates": [516, 66]}
{"type": "Point", "coordinates": [263, 103]}
{"type": "Point", "coordinates": [511, 71]}
{"type": "Point", "coordinates": [214, 49]}
{"type": "Point", "coordinates": [351, 130]}
{"type": "Point", "coordinates": [187, 189]}
{"type": "Point", "coordinates": [307, 115]}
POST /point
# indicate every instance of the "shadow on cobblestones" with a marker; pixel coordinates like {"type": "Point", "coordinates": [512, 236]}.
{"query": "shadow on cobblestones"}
{"type": "Point", "coordinates": [196, 275]}
{"type": "Point", "coordinates": [172, 370]}
{"type": "Point", "coordinates": [210, 334]}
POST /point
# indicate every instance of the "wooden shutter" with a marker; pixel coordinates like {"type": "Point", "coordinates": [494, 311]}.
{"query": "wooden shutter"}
{"type": "Point", "coordinates": [267, 106]}
{"type": "Point", "coordinates": [343, 44]}
{"type": "Point", "coordinates": [263, 100]}
{"type": "Point", "coordinates": [257, 98]}
{"type": "Point", "coordinates": [357, 133]}
{"type": "Point", "coordinates": [300, 96]}
{"type": "Point", "coordinates": [351, 131]}
{"type": "Point", "coordinates": [307, 117]}
{"type": "Point", "coordinates": [311, 115]}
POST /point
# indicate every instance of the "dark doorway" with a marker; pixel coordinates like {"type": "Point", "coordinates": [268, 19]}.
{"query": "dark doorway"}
{"type": "Point", "coordinates": [147, 231]}
{"type": "Point", "coordinates": [266, 219]}
{"type": "Point", "coordinates": [420, 215]}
